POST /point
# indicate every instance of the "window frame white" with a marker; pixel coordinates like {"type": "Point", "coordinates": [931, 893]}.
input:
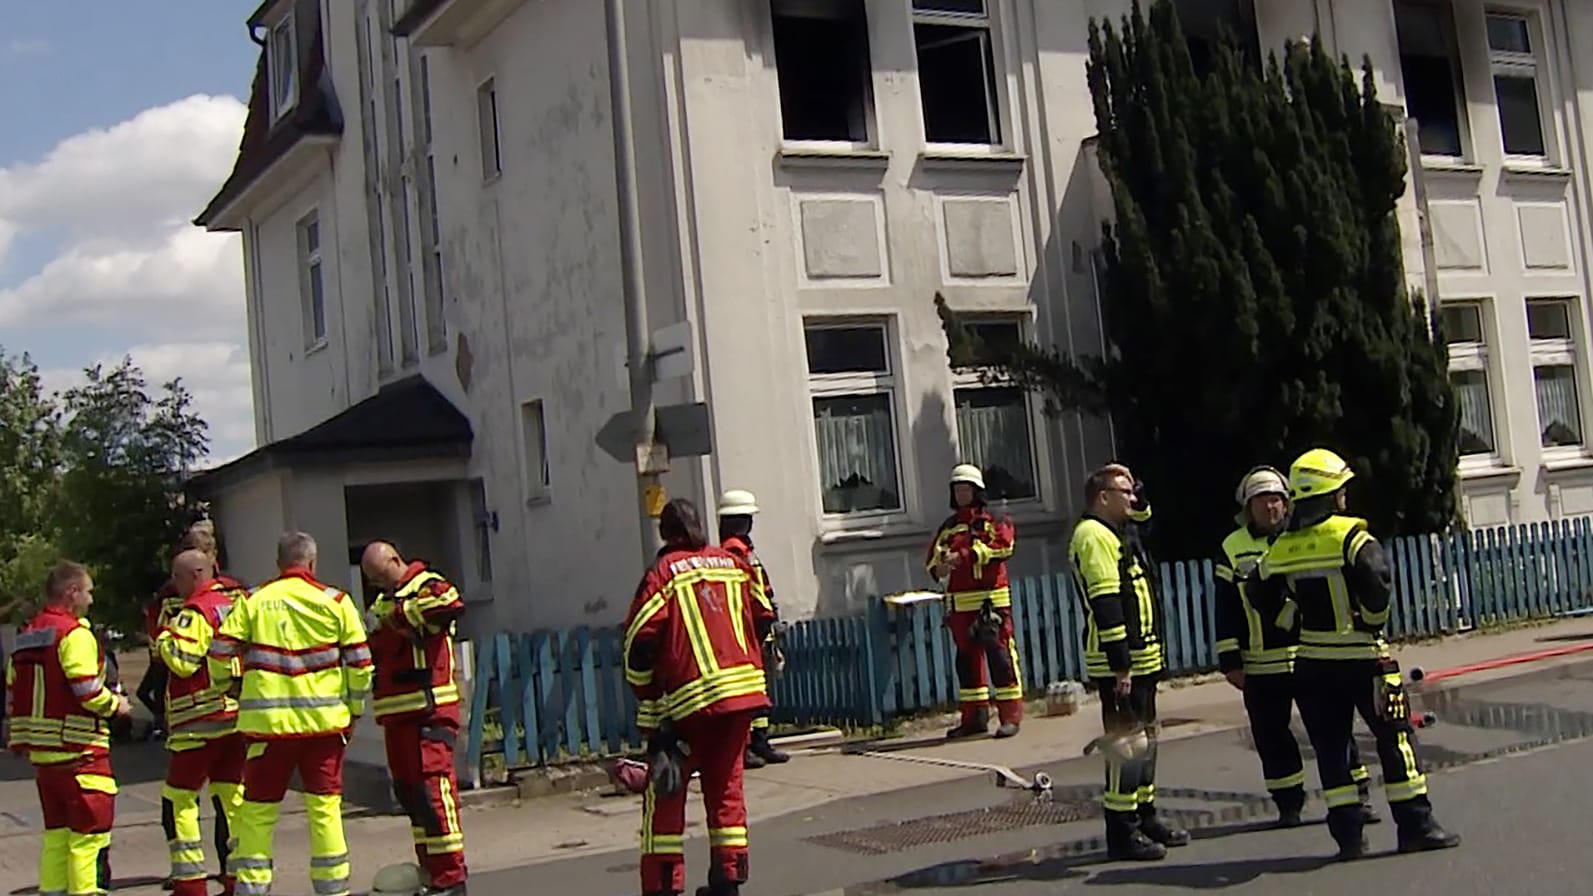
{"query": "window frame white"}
{"type": "Point", "coordinates": [312, 279]}
{"type": "Point", "coordinates": [1000, 118]}
{"type": "Point", "coordinates": [971, 380]}
{"type": "Point", "coordinates": [1510, 64]}
{"type": "Point", "coordinates": [1450, 36]}
{"type": "Point", "coordinates": [859, 384]}
{"type": "Point", "coordinates": [487, 96]}
{"type": "Point", "coordinates": [1467, 356]}
{"type": "Point", "coordinates": [536, 466]}
{"type": "Point", "coordinates": [1558, 352]}
{"type": "Point", "coordinates": [280, 33]}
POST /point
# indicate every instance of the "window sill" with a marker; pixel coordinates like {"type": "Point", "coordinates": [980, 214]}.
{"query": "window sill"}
{"type": "Point", "coordinates": [1486, 470]}
{"type": "Point", "coordinates": [315, 347]}
{"type": "Point", "coordinates": [840, 532]}
{"type": "Point", "coordinates": [491, 180]}
{"type": "Point", "coordinates": [1450, 167]}
{"type": "Point", "coordinates": [539, 500]}
{"type": "Point", "coordinates": [833, 157]}
{"type": "Point", "coordinates": [1565, 465]}
{"type": "Point", "coordinates": [971, 159]}
{"type": "Point", "coordinates": [1527, 171]}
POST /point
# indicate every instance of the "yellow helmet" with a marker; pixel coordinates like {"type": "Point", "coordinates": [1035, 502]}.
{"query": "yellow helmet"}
{"type": "Point", "coordinates": [1317, 472]}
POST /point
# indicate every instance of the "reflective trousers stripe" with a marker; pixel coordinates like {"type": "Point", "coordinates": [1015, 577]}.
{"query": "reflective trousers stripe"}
{"type": "Point", "coordinates": [329, 859]}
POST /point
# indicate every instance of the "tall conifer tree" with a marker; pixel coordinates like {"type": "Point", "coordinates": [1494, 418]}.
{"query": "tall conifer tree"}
{"type": "Point", "coordinates": [1252, 287]}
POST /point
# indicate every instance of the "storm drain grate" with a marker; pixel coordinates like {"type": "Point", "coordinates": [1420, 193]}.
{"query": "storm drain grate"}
{"type": "Point", "coordinates": [896, 837]}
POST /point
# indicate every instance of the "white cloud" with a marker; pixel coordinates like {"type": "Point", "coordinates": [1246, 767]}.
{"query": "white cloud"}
{"type": "Point", "coordinates": [28, 48]}
{"type": "Point", "coordinates": [215, 373]}
{"type": "Point", "coordinates": [117, 204]}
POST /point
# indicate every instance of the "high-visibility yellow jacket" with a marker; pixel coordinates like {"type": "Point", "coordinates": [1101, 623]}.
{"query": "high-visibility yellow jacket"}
{"type": "Point", "coordinates": [200, 703]}
{"type": "Point", "coordinates": [1122, 630]}
{"type": "Point", "coordinates": [1339, 577]}
{"type": "Point", "coordinates": [306, 665]}
{"type": "Point", "coordinates": [55, 682]}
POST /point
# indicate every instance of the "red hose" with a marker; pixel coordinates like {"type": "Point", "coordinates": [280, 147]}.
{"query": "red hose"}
{"type": "Point", "coordinates": [1535, 656]}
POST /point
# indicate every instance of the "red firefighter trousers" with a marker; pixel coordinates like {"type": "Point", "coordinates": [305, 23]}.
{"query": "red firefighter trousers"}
{"type": "Point", "coordinates": [974, 691]}
{"type": "Point", "coordinates": [78, 801]}
{"type": "Point", "coordinates": [420, 757]}
{"type": "Point", "coordinates": [718, 744]}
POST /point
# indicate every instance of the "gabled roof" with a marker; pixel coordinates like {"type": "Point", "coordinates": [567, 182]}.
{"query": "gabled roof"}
{"type": "Point", "coordinates": [418, 12]}
{"type": "Point", "coordinates": [316, 113]}
{"type": "Point", "coordinates": [405, 420]}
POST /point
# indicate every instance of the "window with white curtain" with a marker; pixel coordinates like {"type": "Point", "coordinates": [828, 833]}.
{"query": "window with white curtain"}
{"type": "Point", "coordinates": [1468, 372]}
{"type": "Point", "coordinates": [993, 421]}
{"type": "Point", "coordinates": [853, 383]}
{"type": "Point", "coordinates": [1549, 325]}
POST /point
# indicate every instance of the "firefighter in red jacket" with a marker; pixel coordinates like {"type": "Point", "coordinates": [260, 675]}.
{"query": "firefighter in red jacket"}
{"type": "Point", "coordinates": [969, 557]}
{"type": "Point", "coordinates": [59, 709]}
{"type": "Point", "coordinates": [736, 510]}
{"type": "Point", "coordinates": [693, 661]}
{"type": "Point", "coordinates": [202, 710]}
{"type": "Point", "coordinates": [416, 701]}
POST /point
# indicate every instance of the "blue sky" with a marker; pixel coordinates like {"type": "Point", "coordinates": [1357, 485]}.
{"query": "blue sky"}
{"type": "Point", "coordinates": [122, 119]}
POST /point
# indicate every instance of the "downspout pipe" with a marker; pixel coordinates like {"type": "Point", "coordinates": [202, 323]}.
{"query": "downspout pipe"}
{"type": "Point", "coordinates": [637, 334]}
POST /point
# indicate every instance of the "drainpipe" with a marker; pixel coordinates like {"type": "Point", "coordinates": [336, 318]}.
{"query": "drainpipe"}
{"type": "Point", "coordinates": [637, 335]}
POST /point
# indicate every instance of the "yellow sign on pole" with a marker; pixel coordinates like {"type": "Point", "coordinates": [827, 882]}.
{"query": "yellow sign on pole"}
{"type": "Point", "coordinates": [656, 498]}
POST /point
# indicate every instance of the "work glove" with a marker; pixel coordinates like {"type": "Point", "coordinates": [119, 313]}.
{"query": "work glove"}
{"type": "Point", "coordinates": [666, 767]}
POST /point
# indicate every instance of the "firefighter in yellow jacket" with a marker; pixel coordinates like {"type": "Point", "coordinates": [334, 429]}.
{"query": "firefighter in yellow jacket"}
{"type": "Point", "coordinates": [59, 708]}
{"type": "Point", "coordinates": [306, 676]}
{"type": "Point", "coordinates": [202, 713]}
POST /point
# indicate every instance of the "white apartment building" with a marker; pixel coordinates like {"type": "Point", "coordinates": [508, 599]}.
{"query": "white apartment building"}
{"type": "Point", "coordinates": [427, 195]}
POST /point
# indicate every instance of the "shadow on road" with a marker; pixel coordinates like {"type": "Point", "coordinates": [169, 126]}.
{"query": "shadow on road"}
{"type": "Point", "coordinates": [1209, 876]}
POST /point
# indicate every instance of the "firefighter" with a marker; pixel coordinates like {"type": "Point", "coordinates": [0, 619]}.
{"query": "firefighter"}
{"type": "Point", "coordinates": [416, 701]}
{"type": "Point", "coordinates": [306, 675]}
{"type": "Point", "coordinates": [60, 707]}
{"type": "Point", "coordinates": [699, 682]}
{"type": "Point", "coordinates": [969, 557]}
{"type": "Point", "coordinates": [1257, 655]}
{"type": "Point", "coordinates": [1123, 657]}
{"type": "Point", "coordinates": [737, 507]}
{"type": "Point", "coordinates": [1329, 576]}
{"type": "Point", "coordinates": [159, 611]}
{"type": "Point", "coordinates": [202, 710]}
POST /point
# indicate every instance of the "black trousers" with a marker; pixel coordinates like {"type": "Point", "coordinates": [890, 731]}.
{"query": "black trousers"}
{"type": "Point", "coordinates": [1331, 692]}
{"type": "Point", "coordinates": [152, 690]}
{"type": "Point", "coordinates": [1130, 792]}
{"type": "Point", "coordinates": [1269, 701]}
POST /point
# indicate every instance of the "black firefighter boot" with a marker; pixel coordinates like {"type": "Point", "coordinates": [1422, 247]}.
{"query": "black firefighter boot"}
{"type": "Point", "coordinates": [1418, 832]}
{"type": "Point", "coordinates": [766, 752]}
{"type": "Point", "coordinates": [1291, 803]}
{"type": "Point", "coordinates": [1126, 842]}
{"type": "Point", "coordinates": [976, 725]}
{"type": "Point", "coordinates": [1152, 826]}
{"type": "Point", "coordinates": [1345, 824]}
{"type": "Point", "coordinates": [1368, 811]}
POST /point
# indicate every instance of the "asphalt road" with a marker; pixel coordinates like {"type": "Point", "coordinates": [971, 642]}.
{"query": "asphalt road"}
{"type": "Point", "coordinates": [1510, 765]}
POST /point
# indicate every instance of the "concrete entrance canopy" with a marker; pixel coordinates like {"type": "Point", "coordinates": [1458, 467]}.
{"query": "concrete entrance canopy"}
{"type": "Point", "coordinates": [408, 432]}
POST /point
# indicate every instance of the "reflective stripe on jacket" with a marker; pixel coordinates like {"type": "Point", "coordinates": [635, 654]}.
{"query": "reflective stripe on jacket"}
{"type": "Point", "coordinates": [983, 547]}
{"type": "Point", "coordinates": [199, 699]}
{"type": "Point", "coordinates": [59, 699]}
{"type": "Point", "coordinates": [412, 644]}
{"type": "Point", "coordinates": [1121, 633]}
{"type": "Point", "coordinates": [1337, 621]}
{"type": "Point", "coordinates": [690, 643]}
{"type": "Point", "coordinates": [765, 613]}
{"type": "Point", "coordinates": [1246, 638]}
{"type": "Point", "coordinates": [306, 665]}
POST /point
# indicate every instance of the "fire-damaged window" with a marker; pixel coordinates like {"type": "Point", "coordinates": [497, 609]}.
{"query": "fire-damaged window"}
{"type": "Point", "coordinates": [822, 58]}
{"type": "Point", "coordinates": [957, 84]}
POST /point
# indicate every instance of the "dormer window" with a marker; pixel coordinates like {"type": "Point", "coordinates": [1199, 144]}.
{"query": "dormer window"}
{"type": "Point", "coordinates": [282, 67]}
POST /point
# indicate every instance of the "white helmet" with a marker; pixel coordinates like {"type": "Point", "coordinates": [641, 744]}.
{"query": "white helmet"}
{"type": "Point", "coordinates": [737, 502]}
{"type": "Point", "coordinates": [968, 473]}
{"type": "Point", "coordinates": [403, 879]}
{"type": "Point", "coordinates": [1261, 481]}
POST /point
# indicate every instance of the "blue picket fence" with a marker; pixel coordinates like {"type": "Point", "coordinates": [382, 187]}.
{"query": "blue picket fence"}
{"type": "Point", "coordinates": [550, 696]}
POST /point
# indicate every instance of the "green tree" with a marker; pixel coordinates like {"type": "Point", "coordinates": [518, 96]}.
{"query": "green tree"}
{"type": "Point", "coordinates": [29, 458]}
{"type": "Point", "coordinates": [118, 505]}
{"type": "Point", "coordinates": [1252, 285]}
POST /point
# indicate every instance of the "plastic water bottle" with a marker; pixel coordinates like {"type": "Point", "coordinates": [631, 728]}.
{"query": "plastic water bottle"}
{"type": "Point", "coordinates": [1062, 698]}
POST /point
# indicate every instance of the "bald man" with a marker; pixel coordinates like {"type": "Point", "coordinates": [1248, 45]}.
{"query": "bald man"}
{"type": "Point", "coordinates": [202, 714]}
{"type": "Point", "coordinates": [417, 704]}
